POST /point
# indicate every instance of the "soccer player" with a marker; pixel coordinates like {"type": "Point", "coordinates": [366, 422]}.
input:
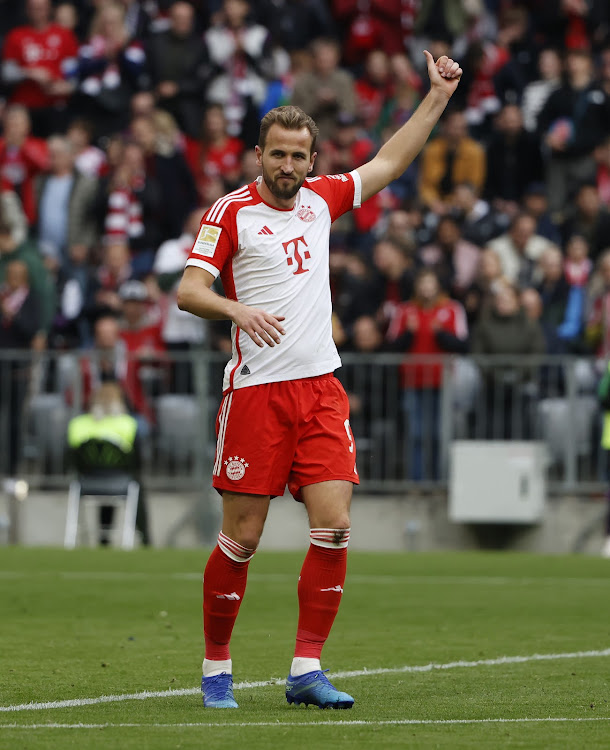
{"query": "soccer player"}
{"type": "Point", "coordinates": [284, 417]}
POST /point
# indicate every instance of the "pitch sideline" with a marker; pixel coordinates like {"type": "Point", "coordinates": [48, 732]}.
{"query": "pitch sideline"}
{"type": "Point", "coordinates": [145, 695]}
{"type": "Point", "coordinates": [341, 723]}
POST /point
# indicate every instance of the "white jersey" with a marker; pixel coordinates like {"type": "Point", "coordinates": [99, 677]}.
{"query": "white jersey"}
{"type": "Point", "coordinates": [178, 326]}
{"type": "Point", "coordinates": [277, 260]}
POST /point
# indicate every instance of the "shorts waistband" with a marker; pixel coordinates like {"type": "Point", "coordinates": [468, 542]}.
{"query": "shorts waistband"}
{"type": "Point", "coordinates": [314, 378]}
{"type": "Point", "coordinates": [311, 379]}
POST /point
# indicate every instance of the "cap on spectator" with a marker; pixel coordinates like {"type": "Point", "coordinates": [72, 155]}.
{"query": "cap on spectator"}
{"type": "Point", "coordinates": [346, 119]}
{"type": "Point", "coordinates": [133, 291]}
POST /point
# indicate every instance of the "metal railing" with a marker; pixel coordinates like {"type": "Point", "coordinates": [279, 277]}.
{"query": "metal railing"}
{"type": "Point", "coordinates": [405, 413]}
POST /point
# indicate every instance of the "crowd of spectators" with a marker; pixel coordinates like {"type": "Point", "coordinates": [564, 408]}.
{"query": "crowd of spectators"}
{"type": "Point", "coordinates": [122, 121]}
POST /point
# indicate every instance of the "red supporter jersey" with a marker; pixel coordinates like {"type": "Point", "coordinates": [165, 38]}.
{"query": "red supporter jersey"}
{"type": "Point", "coordinates": [54, 49]}
{"type": "Point", "coordinates": [448, 315]}
{"type": "Point", "coordinates": [370, 99]}
{"type": "Point", "coordinates": [598, 321]}
{"type": "Point", "coordinates": [277, 260]}
{"type": "Point", "coordinates": [146, 340]}
{"type": "Point", "coordinates": [214, 161]}
{"type": "Point", "coordinates": [19, 167]}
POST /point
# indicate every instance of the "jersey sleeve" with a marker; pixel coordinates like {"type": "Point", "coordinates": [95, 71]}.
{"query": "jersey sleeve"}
{"type": "Point", "coordinates": [460, 321]}
{"type": "Point", "coordinates": [342, 192]}
{"type": "Point", "coordinates": [11, 49]}
{"type": "Point", "coordinates": [214, 245]}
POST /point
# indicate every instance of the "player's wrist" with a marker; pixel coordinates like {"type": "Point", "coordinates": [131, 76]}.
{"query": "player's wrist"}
{"type": "Point", "coordinates": [439, 95]}
{"type": "Point", "coordinates": [233, 309]}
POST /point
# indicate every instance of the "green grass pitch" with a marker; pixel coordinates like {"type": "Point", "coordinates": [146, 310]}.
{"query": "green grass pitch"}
{"type": "Point", "coordinates": [90, 623]}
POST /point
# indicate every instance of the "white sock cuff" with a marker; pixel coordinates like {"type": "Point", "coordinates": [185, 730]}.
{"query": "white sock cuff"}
{"type": "Point", "coordinates": [211, 667]}
{"type": "Point", "coordinates": [234, 550]}
{"type": "Point", "coordinates": [302, 665]}
{"type": "Point", "coordinates": [329, 538]}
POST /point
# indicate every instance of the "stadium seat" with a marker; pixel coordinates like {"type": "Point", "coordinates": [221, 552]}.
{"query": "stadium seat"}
{"type": "Point", "coordinates": [466, 386]}
{"type": "Point", "coordinates": [47, 417]}
{"type": "Point", "coordinates": [105, 478]}
{"type": "Point", "coordinates": [565, 429]}
{"type": "Point", "coordinates": [178, 427]}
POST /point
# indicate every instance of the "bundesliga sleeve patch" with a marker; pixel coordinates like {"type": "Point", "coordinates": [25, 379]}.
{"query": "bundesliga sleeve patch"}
{"type": "Point", "coordinates": [207, 240]}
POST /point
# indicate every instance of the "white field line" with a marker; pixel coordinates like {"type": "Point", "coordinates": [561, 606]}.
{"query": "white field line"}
{"type": "Point", "coordinates": [288, 577]}
{"type": "Point", "coordinates": [146, 694]}
{"type": "Point", "coordinates": [313, 725]}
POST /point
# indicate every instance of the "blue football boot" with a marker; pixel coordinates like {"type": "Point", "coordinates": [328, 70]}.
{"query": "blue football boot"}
{"type": "Point", "coordinates": [315, 688]}
{"type": "Point", "coordinates": [218, 691]}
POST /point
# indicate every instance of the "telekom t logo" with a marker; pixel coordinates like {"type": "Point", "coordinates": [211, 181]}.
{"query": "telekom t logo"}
{"type": "Point", "coordinates": [291, 248]}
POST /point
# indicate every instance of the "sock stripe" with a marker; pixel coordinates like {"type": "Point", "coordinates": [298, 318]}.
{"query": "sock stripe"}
{"type": "Point", "coordinates": [233, 549]}
{"type": "Point", "coordinates": [330, 538]}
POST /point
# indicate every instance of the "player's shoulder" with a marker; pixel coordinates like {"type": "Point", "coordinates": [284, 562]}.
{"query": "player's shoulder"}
{"type": "Point", "coordinates": [329, 185]}
{"type": "Point", "coordinates": [327, 180]}
{"type": "Point", "coordinates": [226, 208]}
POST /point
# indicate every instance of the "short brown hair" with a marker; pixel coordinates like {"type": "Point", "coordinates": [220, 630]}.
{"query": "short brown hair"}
{"type": "Point", "coordinates": [290, 118]}
{"type": "Point", "coordinates": [108, 400]}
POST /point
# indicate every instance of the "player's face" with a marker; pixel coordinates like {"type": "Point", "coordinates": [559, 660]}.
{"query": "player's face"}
{"type": "Point", "coordinates": [286, 161]}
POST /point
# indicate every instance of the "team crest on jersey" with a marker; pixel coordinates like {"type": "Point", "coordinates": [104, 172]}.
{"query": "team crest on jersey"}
{"type": "Point", "coordinates": [235, 468]}
{"type": "Point", "coordinates": [207, 240]}
{"type": "Point", "coordinates": [306, 214]}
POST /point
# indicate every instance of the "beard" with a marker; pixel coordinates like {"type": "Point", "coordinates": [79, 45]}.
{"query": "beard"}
{"type": "Point", "coordinates": [282, 190]}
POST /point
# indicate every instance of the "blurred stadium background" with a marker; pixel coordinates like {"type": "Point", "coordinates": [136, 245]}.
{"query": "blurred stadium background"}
{"type": "Point", "coordinates": [471, 297]}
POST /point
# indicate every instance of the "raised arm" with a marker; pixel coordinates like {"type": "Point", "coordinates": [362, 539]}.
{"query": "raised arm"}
{"type": "Point", "coordinates": [396, 155]}
{"type": "Point", "coordinates": [196, 296]}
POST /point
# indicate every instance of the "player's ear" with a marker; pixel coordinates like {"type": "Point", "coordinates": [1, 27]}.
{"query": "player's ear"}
{"type": "Point", "coordinates": [313, 158]}
{"type": "Point", "coordinates": [259, 156]}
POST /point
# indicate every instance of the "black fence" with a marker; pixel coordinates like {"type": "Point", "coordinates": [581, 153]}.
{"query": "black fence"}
{"type": "Point", "coordinates": [405, 413]}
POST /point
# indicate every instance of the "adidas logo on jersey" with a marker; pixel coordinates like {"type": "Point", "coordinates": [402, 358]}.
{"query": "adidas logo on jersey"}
{"type": "Point", "coordinates": [245, 370]}
{"type": "Point", "coordinates": [265, 230]}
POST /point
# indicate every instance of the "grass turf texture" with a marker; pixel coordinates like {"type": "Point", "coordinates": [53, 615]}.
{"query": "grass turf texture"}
{"type": "Point", "coordinates": [88, 623]}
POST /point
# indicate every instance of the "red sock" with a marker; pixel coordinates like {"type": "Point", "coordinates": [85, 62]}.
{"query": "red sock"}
{"type": "Point", "coordinates": [224, 584]}
{"type": "Point", "coordinates": [320, 589]}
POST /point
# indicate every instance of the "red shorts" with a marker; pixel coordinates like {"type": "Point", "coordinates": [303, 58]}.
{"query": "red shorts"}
{"type": "Point", "coordinates": [293, 433]}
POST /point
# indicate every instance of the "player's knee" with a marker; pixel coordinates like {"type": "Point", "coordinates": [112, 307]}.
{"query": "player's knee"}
{"type": "Point", "coordinates": [248, 534]}
{"type": "Point", "coordinates": [249, 541]}
{"type": "Point", "coordinates": [340, 522]}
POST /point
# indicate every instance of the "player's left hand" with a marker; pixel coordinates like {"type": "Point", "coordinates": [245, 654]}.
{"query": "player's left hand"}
{"type": "Point", "coordinates": [444, 74]}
